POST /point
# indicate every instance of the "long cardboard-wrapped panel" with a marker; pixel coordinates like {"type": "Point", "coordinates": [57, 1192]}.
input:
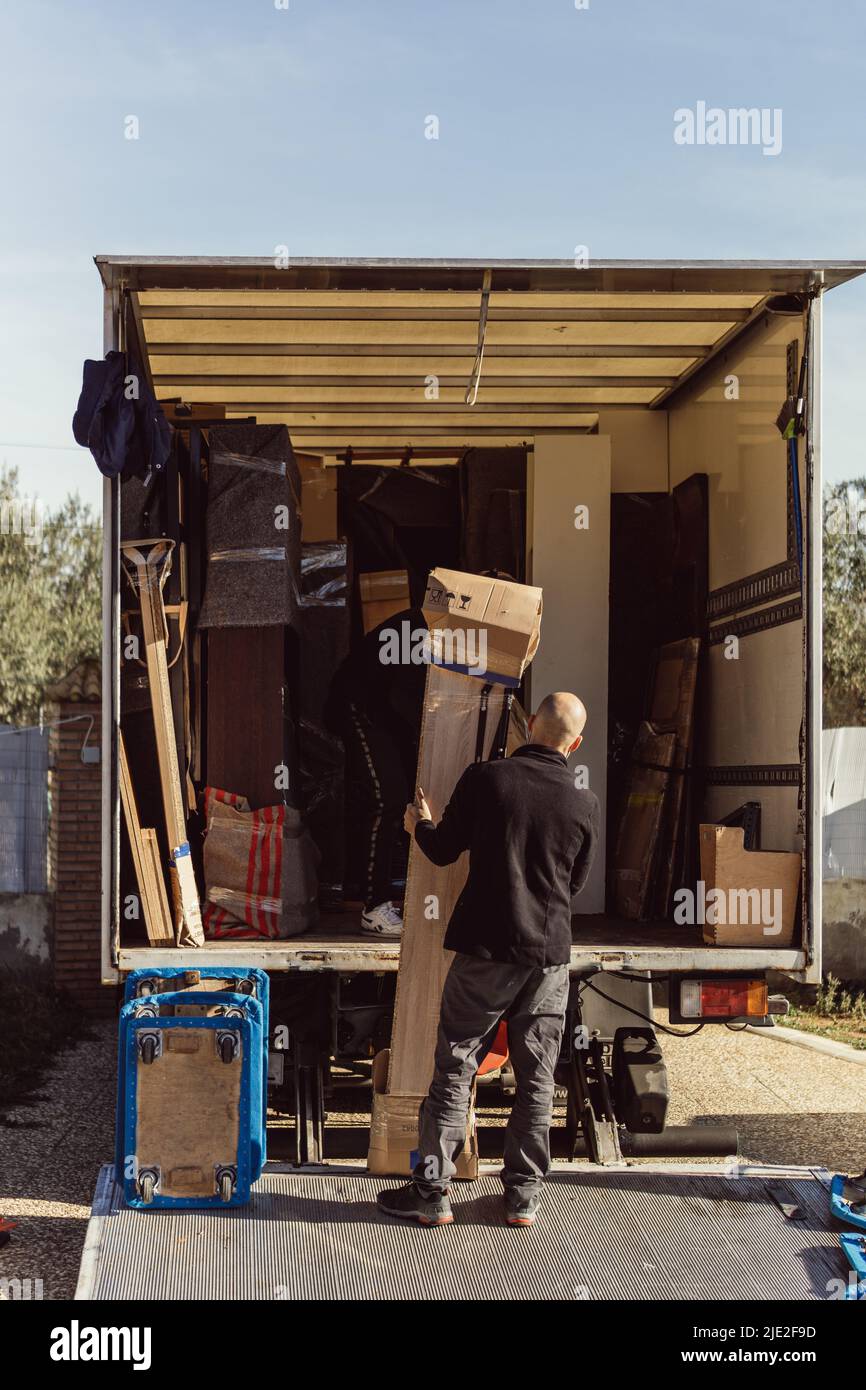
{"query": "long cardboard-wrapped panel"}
{"type": "Point", "coordinates": [449, 734]}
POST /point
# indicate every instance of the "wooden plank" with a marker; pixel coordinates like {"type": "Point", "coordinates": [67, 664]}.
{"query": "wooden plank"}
{"type": "Point", "coordinates": [172, 359]}
{"type": "Point", "coordinates": [146, 561]}
{"type": "Point", "coordinates": [501, 357]}
{"type": "Point", "coordinates": [376, 390]}
{"type": "Point", "coordinates": [338, 332]}
{"type": "Point", "coordinates": [151, 300]}
{"type": "Point", "coordinates": [464, 312]}
{"type": "Point", "coordinates": [188, 1121]}
{"type": "Point", "coordinates": [224, 368]}
{"type": "Point", "coordinates": [145, 856]}
{"type": "Point", "coordinates": [448, 735]}
{"type": "Point", "coordinates": [409, 400]}
{"type": "Point", "coordinates": [156, 889]}
{"type": "Point", "coordinates": [527, 420]}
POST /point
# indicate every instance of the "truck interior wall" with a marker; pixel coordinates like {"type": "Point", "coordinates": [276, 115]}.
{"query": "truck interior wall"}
{"type": "Point", "coordinates": [569, 544]}
{"type": "Point", "coordinates": [753, 689]}
{"type": "Point", "coordinates": [638, 449]}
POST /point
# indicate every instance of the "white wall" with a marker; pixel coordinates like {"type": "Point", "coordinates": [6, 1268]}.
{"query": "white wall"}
{"type": "Point", "coordinates": [572, 566]}
{"type": "Point", "coordinates": [724, 426]}
{"type": "Point", "coordinates": [638, 449]}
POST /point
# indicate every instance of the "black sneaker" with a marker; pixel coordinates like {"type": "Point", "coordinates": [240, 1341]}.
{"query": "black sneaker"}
{"type": "Point", "coordinates": [521, 1210]}
{"type": "Point", "coordinates": [408, 1204]}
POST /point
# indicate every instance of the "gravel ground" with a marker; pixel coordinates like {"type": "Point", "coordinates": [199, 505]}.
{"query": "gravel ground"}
{"type": "Point", "coordinates": [50, 1153]}
{"type": "Point", "coordinates": [790, 1106]}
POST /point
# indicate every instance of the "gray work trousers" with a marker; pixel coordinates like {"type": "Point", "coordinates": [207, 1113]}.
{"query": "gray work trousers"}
{"type": "Point", "coordinates": [477, 995]}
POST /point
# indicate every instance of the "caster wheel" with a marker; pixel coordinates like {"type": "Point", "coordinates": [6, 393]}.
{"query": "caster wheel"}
{"type": "Point", "coordinates": [225, 1186]}
{"type": "Point", "coordinates": [147, 1050]}
{"type": "Point", "coordinates": [146, 1187]}
{"type": "Point", "coordinates": [227, 1050]}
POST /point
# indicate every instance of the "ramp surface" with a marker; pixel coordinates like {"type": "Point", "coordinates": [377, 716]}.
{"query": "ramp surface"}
{"type": "Point", "coordinates": [642, 1233]}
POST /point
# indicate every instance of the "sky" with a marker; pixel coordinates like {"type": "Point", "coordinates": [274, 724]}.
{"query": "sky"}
{"type": "Point", "coordinates": [302, 123]}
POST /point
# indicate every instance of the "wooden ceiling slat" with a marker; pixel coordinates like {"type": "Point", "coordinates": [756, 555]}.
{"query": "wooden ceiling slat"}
{"type": "Point", "coordinates": [504, 369]}
{"type": "Point", "coordinates": [438, 420]}
{"type": "Point", "coordinates": [516, 299]}
{"type": "Point", "coordinates": [329, 441]}
{"type": "Point", "coordinates": [362, 388]}
{"type": "Point", "coordinates": [324, 357]}
{"type": "Point", "coordinates": [441, 336]}
{"type": "Point", "coordinates": [427, 352]}
{"type": "Point", "coordinates": [455, 314]}
{"type": "Point", "coordinates": [410, 398]}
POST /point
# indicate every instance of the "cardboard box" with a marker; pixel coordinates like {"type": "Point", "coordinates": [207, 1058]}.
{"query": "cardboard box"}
{"type": "Point", "coordinates": [740, 874]}
{"type": "Point", "coordinates": [383, 593]}
{"type": "Point", "coordinates": [496, 623]}
{"type": "Point", "coordinates": [394, 1130]}
{"type": "Point", "coordinates": [318, 499]}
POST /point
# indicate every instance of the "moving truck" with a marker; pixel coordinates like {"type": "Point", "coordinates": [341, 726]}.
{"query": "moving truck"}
{"type": "Point", "coordinates": [614, 431]}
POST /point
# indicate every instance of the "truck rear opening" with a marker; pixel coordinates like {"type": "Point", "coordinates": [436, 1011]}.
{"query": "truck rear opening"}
{"type": "Point", "coordinates": [609, 434]}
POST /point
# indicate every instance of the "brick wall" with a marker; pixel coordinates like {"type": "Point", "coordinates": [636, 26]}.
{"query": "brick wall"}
{"type": "Point", "coordinates": [76, 844]}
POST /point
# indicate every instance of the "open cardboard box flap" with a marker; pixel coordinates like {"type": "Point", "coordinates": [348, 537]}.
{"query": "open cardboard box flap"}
{"type": "Point", "coordinates": [508, 613]}
{"type": "Point", "coordinates": [394, 1130]}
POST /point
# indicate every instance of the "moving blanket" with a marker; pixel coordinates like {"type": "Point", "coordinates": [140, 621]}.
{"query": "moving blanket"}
{"type": "Point", "coordinates": [253, 528]}
{"type": "Point", "coordinates": [260, 870]}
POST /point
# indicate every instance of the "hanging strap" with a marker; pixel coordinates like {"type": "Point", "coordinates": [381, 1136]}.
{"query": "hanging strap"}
{"type": "Point", "coordinates": [500, 738]}
{"type": "Point", "coordinates": [500, 742]}
{"type": "Point", "coordinates": [482, 722]}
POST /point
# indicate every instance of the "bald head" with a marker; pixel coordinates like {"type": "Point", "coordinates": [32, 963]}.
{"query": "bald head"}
{"type": "Point", "coordinates": [558, 722]}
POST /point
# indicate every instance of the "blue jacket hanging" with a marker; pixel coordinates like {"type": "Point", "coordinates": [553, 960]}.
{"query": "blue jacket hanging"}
{"type": "Point", "coordinates": [123, 432]}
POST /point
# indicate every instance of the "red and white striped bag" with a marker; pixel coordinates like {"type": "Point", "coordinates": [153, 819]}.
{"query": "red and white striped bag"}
{"type": "Point", "coordinates": [260, 870]}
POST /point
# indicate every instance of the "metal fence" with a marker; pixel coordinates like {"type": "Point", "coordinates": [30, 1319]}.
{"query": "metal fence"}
{"type": "Point", "coordinates": [24, 814]}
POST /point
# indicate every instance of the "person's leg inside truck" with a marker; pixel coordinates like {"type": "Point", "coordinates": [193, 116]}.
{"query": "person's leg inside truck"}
{"type": "Point", "coordinates": [375, 844]}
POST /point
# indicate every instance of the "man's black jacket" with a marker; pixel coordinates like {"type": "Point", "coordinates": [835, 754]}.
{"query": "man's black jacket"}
{"type": "Point", "coordinates": [531, 835]}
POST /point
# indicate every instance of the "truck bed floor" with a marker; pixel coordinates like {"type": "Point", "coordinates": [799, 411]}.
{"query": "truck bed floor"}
{"type": "Point", "coordinates": [648, 1232]}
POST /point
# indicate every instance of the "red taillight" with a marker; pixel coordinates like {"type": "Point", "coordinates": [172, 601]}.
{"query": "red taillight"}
{"type": "Point", "coordinates": [724, 999]}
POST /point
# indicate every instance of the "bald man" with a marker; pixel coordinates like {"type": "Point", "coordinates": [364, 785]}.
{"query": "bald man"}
{"type": "Point", "coordinates": [531, 834]}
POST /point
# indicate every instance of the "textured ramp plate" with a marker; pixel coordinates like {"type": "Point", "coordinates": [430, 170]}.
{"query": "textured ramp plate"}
{"type": "Point", "coordinates": [644, 1234]}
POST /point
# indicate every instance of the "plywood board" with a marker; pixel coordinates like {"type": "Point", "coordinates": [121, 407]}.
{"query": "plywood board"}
{"type": "Point", "coordinates": [188, 1112]}
{"type": "Point", "coordinates": [448, 737]}
{"type": "Point", "coordinates": [145, 857]}
{"type": "Point", "coordinates": [145, 561]}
